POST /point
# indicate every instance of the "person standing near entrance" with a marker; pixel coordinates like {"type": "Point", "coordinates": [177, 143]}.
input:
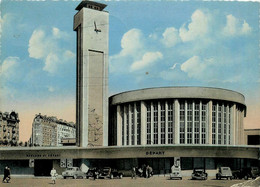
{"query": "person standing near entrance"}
{"type": "Point", "coordinates": [54, 175]}
{"type": "Point", "coordinates": [7, 173]}
{"type": "Point", "coordinates": [133, 172]}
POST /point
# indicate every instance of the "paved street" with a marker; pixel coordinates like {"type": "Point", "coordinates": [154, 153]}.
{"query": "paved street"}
{"type": "Point", "coordinates": [126, 182]}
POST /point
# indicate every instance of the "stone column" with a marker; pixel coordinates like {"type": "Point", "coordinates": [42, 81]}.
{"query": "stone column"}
{"type": "Point", "coordinates": [125, 130]}
{"type": "Point", "coordinates": [233, 125]}
{"type": "Point", "coordinates": [176, 122]}
{"type": "Point", "coordinates": [143, 123]}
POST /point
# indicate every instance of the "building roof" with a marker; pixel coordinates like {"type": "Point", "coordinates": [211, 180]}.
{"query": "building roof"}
{"type": "Point", "coordinates": [178, 93]}
{"type": "Point", "coordinates": [84, 3]}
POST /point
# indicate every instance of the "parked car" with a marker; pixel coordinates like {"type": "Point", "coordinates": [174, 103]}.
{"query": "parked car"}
{"type": "Point", "coordinates": [176, 172]}
{"type": "Point", "coordinates": [199, 174]}
{"type": "Point", "coordinates": [250, 172]}
{"type": "Point", "coordinates": [108, 172]}
{"type": "Point", "coordinates": [73, 172]}
{"type": "Point", "coordinates": [224, 172]}
{"type": "Point", "coordinates": [93, 172]}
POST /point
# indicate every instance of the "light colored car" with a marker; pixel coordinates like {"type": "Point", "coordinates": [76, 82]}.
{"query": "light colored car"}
{"type": "Point", "coordinates": [224, 172]}
{"type": "Point", "coordinates": [176, 172]}
{"type": "Point", "coordinates": [73, 172]}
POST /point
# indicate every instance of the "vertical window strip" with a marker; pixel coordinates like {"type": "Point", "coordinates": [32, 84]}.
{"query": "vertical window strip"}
{"type": "Point", "coordinates": [162, 122]}
{"type": "Point", "coordinates": [189, 123]}
{"type": "Point", "coordinates": [214, 113]}
{"type": "Point", "coordinates": [203, 123]}
{"type": "Point", "coordinates": [127, 125]}
{"type": "Point", "coordinates": [148, 119]}
{"type": "Point", "coordinates": [138, 110]}
{"type": "Point", "coordinates": [229, 125]}
{"type": "Point", "coordinates": [182, 122]}
{"type": "Point", "coordinates": [123, 126]}
{"type": "Point", "coordinates": [155, 123]}
{"type": "Point", "coordinates": [219, 123]}
{"type": "Point", "coordinates": [197, 123]}
{"type": "Point", "coordinates": [132, 125]}
{"type": "Point", "coordinates": [225, 124]}
{"type": "Point", "coordinates": [170, 123]}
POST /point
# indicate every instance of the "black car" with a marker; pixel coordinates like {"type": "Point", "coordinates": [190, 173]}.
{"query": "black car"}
{"type": "Point", "coordinates": [250, 172]}
{"type": "Point", "coordinates": [108, 172]}
{"type": "Point", "coordinates": [93, 172]}
{"type": "Point", "coordinates": [199, 174]}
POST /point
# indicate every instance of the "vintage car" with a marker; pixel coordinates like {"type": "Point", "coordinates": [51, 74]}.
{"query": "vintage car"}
{"type": "Point", "coordinates": [93, 172]}
{"type": "Point", "coordinates": [224, 172]}
{"type": "Point", "coordinates": [73, 172]}
{"type": "Point", "coordinates": [250, 172]}
{"type": "Point", "coordinates": [110, 173]}
{"type": "Point", "coordinates": [176, 172]}
{"type": "Point", "coordinates": [199, 174]}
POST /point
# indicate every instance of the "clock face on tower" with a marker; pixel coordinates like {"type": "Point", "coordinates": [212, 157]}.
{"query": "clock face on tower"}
{"type": "Point", "coordinates": [96, 29]}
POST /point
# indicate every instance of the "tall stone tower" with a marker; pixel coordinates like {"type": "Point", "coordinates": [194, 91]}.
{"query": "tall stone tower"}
{"type": "Point", "coordinates": [92, 25]}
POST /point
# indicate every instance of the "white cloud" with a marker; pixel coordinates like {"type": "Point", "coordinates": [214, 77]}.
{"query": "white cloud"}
{"type": "Point", "coordinates": [131, 42]}
{"type": "Point", "coordinates": [51, 63]}
{"type": "Point", "coordinates": [5, 21]}
{"type": "Point", "coordinates": [8, 67]}
{"type": "Point", "coordinates": [198, 27]}
{"type": "Point", "coordinates": [46, 48]}
{"type": "Point", "coordinates": [234, 27]}
{"type": "Point", "coordinates": [195, 67]}
{"type": "Point", "coordinates": [170, 37]}
{"type": "Point", "coordinates": [37, 45]}
{"type": "Point", "coordinates": [148, 59]}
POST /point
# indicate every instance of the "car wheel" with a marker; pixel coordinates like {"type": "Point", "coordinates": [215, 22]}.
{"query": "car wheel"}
{"type": "Point", "coordinates": [111, 176]}
{"type": "Point", "coordinates": [181, 178]}
{"type": "Point", "coordinates": [120, 176]}
{"type": "Point", "coordinates": [75, 176]}
{"type": "Point", "coordinates": [230, 178]}
{"type": "Point", "coordinates": [64, 177]}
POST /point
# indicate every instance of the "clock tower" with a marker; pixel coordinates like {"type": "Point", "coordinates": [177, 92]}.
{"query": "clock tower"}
{"type": "Point", "coordinates": [91, 24]}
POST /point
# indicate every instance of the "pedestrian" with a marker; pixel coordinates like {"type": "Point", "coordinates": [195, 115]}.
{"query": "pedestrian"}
{"type": "Point", "coordinates": [54, 175]}
{"type": "Point", "coordinates": [133, 172]}
{"type": "Point", "coordinates": [7, 174]}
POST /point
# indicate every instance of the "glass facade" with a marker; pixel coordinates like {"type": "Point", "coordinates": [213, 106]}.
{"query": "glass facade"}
{"type": "Point", "coordinates": [159, 122]}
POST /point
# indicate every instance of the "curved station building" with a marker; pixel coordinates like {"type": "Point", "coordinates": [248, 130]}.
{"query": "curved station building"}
{"type": "Point", "coordinates": [196, 127]}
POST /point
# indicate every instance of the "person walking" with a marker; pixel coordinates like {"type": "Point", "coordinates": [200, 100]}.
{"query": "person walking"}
{"type": "Point", "coordinates": [133, 172]}
{"type": "Point", "coordinates": [54, 175]}
{"type": "Point", "coordinates": [7, 174]}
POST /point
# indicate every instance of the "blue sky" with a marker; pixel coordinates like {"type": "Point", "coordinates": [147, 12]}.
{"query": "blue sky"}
{"type": "Point", "coordinates": [151, 44]}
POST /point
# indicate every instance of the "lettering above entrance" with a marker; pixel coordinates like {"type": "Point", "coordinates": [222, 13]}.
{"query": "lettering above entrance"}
{"type": "Point", "coordinates": [49, 155]}
{"type": "Point", "coordinates": [155, 153]}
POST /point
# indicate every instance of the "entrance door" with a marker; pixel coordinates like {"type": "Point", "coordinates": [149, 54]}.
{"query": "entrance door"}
{"type": "Point", "coordinates": [42, 167]}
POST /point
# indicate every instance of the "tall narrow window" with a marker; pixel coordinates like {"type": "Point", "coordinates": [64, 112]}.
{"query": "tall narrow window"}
{"type": "Point", "coordinates": [197, 123]}
{"type": "Point", "coordinates": [189, 123]}
{"type": "Point", "coordinates": [219, 124]}
{"type": "Point", "coordinates": [162, 122]}
{"type": "Point", "coordinates": [214, 120]}
{"type": "Point", "coordinates": [229, 125]}
{"type": "Point", "coordinates": [132, 125]}
{"type": "Point", "coordinates": [148, 132]}
{"type": "Point", "coordinates": [127, 125]}
{"type": "Point", "coordinates": [225, 124]}
{"type": "Point", "coordinates": [203, 123]}
{"type": "Point", "coordinates": [123, 124]}
{"type": "Point", "coordinates": [182, 122]}
{"type": "Point", "coordinates": [138, 115]}
{"type": "Point", "coordinates": [170, 122]}
{"type": "Point", "coordinates": [155, 123]}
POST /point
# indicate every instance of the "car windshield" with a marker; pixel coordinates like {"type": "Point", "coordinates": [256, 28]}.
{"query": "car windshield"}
{"type": "Point", "coordinates": [225, 169]}
{"type": "Point", "coordinates": [70, 168]}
